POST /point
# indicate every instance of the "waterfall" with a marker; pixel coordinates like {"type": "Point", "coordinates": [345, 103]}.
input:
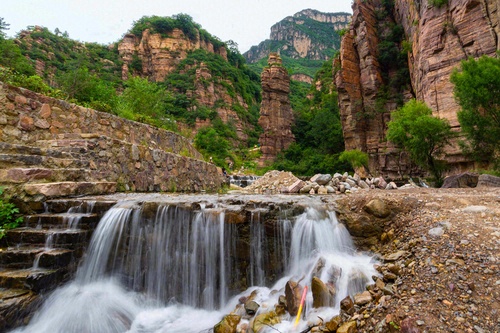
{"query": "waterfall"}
{"type": "Point", "coordinates": [179, 270]}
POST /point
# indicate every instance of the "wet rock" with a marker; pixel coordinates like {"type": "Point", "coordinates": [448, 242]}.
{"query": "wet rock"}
{"type": "Point", "coordinates": [320, 264]}
{"type": "Point", "coordinates": [333, 324]}
{"type": "Point", "coordinates": [323, 294]}
{"type": "Point", "coordinates": [251, 307]}
{"type": "Point", "coordinates": [377, 207]}
{"type": "Point", "coordinates": [228, 324]}
{"type": "Point", "coordinates": [347, 305]}
{"type": "Point", "coordinates": [264, 321]}
{"type": "Point", "coordinates": [293, 294]}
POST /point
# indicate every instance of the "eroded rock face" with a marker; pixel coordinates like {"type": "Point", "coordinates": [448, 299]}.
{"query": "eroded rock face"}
{"type": "Point", "coordinates": [440, 38]}
{"type": "Point", "coordinates": [276, 115]}
{"type": "Point", "coordinates": [160, 55]}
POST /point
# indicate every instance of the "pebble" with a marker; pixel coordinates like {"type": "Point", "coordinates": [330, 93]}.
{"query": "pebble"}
{"type": "Point", "coordinates": [420, 322]}
{"type": "Point", "coordinates": [436, 232]}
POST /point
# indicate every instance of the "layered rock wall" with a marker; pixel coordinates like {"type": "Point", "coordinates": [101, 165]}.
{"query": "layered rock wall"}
{"type": "Point", "coordinates": [160, 55]}
{"type": "Point", "coordinates": [276, 115]}
{"type": "Point", "coordinates": [67, 142]}
{"type": "Point", "coordinates": [440, 38]}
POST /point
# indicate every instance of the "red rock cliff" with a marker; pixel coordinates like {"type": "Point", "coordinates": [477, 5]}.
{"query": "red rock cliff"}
{"type": "Point", "coordinates": [440, 38]}
{"type": "Point", "coordinates": [276, 115]}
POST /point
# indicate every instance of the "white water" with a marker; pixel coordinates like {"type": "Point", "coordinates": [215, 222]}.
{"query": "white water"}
{"type": "Point", "coordinates": [171, 272]}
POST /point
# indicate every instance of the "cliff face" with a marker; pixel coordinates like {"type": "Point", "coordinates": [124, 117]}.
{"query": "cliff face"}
{"type": "Point", "coordinates": [307, 34]}
{"type": "Point", "coordinates": [276, 115]}
{"type": "Point", "coordinates": [439, 38]}
{"type": "Point", "coordinates": [160, 55]}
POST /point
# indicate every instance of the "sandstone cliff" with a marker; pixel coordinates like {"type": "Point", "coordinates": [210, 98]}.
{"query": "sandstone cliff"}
{"type": "Point", "coordinates": [276, 115]}
{"type": "Point", "coordinates": [160, 55]}
{"type": "Point", "coordinates": [435, 40]}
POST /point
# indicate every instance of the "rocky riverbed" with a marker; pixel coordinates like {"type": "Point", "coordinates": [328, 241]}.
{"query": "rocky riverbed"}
{"type": "Point", "coordinates": [439, 262]}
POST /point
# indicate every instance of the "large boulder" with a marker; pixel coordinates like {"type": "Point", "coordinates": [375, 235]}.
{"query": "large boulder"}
{"type": "Point", "coordinates": [264, 321]}
{"type": "Point", "coordinates": [321, 179]}
{"type": "Point", "coordinates": [488, 181]}
{"type": "Point", "coordinates": [323, 294]}
{"type": "Point", "coordinates": [463, 180]}
{"type": "Point", "coordinates": [293, 294]}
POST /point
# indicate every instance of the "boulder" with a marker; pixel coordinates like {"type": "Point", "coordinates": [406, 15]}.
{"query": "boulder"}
{"type": "Point", "coordinates": [333, 324]}
{"type": "Point", "coordinates": [363, 298]}
{"type": "Point", "coordinates": [321, 179]}
{"type": "Point", "coordinates": [295, 187]}
{"type": "Point", "coordinates": [323, 294]}
{"type": "Point", "coordinates": [251, 307]}
{"type": "Point", "coordinates": [488, 181]}
{"type": "Point", "coordinates": [347, 305]}
{"type": "Point", "coordinates": [377, 207]}
{"type": "Point", "coordinates": [293, 294]}
{"type": "Point", "coordinates": [463, 180]}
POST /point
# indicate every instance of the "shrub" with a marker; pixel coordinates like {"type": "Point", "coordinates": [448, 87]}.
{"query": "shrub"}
{"type": "Point", "coordinates": [8, 215]}
{"type": "Point", "coordinates": [356, 158]}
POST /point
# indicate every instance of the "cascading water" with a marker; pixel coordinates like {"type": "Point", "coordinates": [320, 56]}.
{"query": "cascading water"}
{"type": "Point", "coordinates": [179, 270]}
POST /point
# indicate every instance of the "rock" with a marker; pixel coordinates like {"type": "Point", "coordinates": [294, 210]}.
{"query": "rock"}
{"type": "Point", "coordinates": [228, 324]}
{"type": "Point", "coordinates": [276, 114]}
{"type": "Point", "coordinates": [475, 209]}
{"type": "Point", "coordinates": [322, 190]}
{"type": "Point", "coordinates": [295, 187]}
{"type": "Point", "coordinates": [463, 180]}
{"type": "Point", "coordinates": [488, 181]}
{"type": "Point", "coordinates": [395, 256]}
{"type": "Point", "coordinates": [330, 189]}
{"type": "Point", "coordinates": [382, 184]}
{"type": "Point", "coordinates": [321, 179]}
{"type": "Point", "coordinates": [349, 327]}
{"type": "Point", "coordinates": [323, 294]}
{"type": "Point", "coordinates": [436, 232]}
{"type": "Point", "coordinates": [408, 325]}
{"type": "Point", "coordinates": [363, 298]}
{"type": "Point", "coordinates": [377, 207]}
{"type": "Point", "coordinates": [357, 281]}
{"type": "Point", "coordinates": [264, 321]}
{"type": "Point", "coordinates": [306, 188]}
{"type": "Point", "coordinates": [293, 294]}
{"type": "Point", "coordinates": [391, 186]}
{"type": "Point", "coordinates": [251, 307]}
{"type": "Point", "coordinates": [347, 305]}
{"type": "Point", "coordinates": [333, 324]}
{"type": "Point", "coordinates": [363, 184]}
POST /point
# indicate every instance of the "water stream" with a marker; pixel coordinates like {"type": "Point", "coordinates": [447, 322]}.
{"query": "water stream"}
{"type": "Point", "coordinates": [181, 270]}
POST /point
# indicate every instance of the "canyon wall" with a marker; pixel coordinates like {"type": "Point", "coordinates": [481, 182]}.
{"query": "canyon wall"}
{"type": "Point", "coordinates": [436, 40]}
{"type": "Point", "coordinates": [276, 115]}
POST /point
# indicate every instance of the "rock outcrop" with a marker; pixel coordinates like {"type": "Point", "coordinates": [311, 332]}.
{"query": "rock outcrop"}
{"type": "Point", "coordinates": [292, 36]}
{"type": "Point", "coordinates": [160, 55]}
{"type": "Point", "coordinates": [436, 40]}
{"type": "Point", "coordinates": [276, 115]}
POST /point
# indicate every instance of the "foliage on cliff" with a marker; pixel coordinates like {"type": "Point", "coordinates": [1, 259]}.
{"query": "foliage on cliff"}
{"type": "Point", "coordinates": [321, 41]}
{"type": "Point", "coordinates": [317, 130]}
{"type": "Point", "coordinates": [477, 89]}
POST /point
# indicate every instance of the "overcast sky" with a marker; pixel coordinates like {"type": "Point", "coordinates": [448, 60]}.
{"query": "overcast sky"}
{"type": "Point", "coordinates": [247, 22]}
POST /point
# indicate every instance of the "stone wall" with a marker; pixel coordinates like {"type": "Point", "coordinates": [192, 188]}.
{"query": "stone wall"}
{"type": "Point", "coordinates": [86, 145]}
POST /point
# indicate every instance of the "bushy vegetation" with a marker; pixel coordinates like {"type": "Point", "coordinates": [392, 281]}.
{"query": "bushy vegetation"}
{"type": "Point", "coordinates": [414, 129]}
{"type": "Point", "coordinates": [9, 214]}
{"type": "Point", "coordinates": [438, 3]}
{"type": "Point", "coordinates": [317, 130]}
{"type": "Point", "coordinates": [356, 158]}
{"type": "Point", "coordinates": [477, 90]}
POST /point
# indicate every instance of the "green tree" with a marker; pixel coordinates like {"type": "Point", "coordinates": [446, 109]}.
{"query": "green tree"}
{"type": "Point", "coordinates": [3, 26]}
{"type": "Point", "coordinates": [423, 136]}
{"type": "Point", "coordinates": [142, 97]}
{"type": "Point", "coordinates": [477, 90]}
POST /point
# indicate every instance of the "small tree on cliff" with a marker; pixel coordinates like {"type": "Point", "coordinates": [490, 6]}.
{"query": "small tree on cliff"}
{"type": "Point", "coordinates": [477, 90]}
{"type": "Point", "coordinates": [423, 136]}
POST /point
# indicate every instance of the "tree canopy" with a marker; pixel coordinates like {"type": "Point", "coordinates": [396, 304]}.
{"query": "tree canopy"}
{"type": "Point", "coordinates": [477, 90]}
{"type": "Point", "coordinates": [423, 136]}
